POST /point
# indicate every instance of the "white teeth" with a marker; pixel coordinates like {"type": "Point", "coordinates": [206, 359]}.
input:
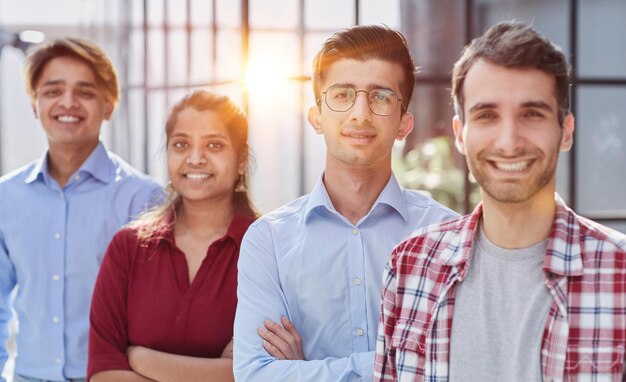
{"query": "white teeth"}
{"type": "Point", "coordinates": [511, 167]}
{"type": "Point", "coordinates": [357, 136]}
{"type": "Point", "coordinates": [197, 176]}
{"type": "Point", "coordinates": [67, 118]}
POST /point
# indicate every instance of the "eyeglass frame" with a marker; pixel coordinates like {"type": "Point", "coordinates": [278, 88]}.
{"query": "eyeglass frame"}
{"type": "Point", "coordinates": [356, 92]}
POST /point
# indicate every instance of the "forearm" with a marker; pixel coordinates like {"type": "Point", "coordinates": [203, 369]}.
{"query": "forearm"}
{"type": "Point", "coordinates": [166, 367]}
{"type": "Point", "coordinates": [356, 367]}
{"type": "Point", "coordinates": [118, 376]}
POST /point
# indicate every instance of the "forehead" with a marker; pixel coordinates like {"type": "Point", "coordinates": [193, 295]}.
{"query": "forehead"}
{"type": "Point", "coordinates": [190, 121]}
{"type": "Point", "coordinates": [374, 73]}
{"type": "Point", "coordinates": [68, 70]}
{"type": "Point", "coordinates": [494, 84]}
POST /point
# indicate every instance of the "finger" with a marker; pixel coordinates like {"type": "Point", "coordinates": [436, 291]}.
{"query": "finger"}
{"type": "Point", "coordinates": [291, 328]}
{"type": "Point", "coordinates": [279, 331]}
{"type": "Point", "coordinates": [274, 340]}
{"type": "Point", "coordinates": [273, 351]}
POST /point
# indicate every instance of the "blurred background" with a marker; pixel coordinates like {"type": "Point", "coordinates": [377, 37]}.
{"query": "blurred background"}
{"type": "Point", "coordinates": [260, 52]}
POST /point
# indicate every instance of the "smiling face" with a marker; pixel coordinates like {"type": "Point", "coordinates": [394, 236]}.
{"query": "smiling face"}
{"type": "Point", "coordinates": [511, 136]}
{"type": "Point", "coordinates": [358, 137]}
{"type": "Point", "coordinates": [202, 162]}
{"type": "Point", "coordinates": [69, 104]}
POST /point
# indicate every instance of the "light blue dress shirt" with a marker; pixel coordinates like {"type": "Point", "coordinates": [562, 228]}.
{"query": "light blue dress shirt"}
{"type": "Point", "coordinates": [51, 244]}
{"type": "Point", "coordinates": [309, 263]}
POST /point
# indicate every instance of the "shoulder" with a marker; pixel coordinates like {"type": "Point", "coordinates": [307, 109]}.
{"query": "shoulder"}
{"type": "Point", "coordinates": [599, 238]}
{"type": "Point", "coordinates": [290, 213]}
{"type": "Point", "coordinates": [434, 244]}
{"type": "Point", "coordinates": [422, 201]}
{"type": "Point", "coordinates": [16, 176]}
{"type": "Point", "coordinates": [126, 172]}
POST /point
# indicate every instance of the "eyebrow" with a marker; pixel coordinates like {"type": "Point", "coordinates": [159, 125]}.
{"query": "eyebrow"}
{"type": "Point", "coordinates": [185, 135]}
{"type": "Point", "coordinates": [528, 104]}
{"type": "Point", "coordinates": [82, 84]}
{"type": "Point", "coordinates": [369, 87]}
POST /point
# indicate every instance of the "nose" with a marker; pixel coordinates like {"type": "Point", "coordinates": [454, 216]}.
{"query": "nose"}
{"type": "Point", "coordinates": [360, 111]}
{"type": "Point", "coordinates": [68, 99]}
{"type": "Point", "coordinates": [509, 140]}
{"type": "Point", "coordinates": [196, 157]}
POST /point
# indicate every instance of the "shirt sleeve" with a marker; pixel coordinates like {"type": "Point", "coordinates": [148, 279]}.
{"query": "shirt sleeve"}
{"type": "Point", "coordinates": [384, 364]}
{"type": "Point", "coordinates": [108, 332]}
{"type": "Point", "coordinates": [260, 296]}
{"type": "Point", "coordinates": [7, 283]}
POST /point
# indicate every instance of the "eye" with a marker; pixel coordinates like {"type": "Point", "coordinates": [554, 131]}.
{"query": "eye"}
{"type": "Point", "coordinates": [485, 116]}
{"type": "Point", "coordinates": [51, 92]}
{"type": "Point", "coordinates": [341, 94]}
{"type": "Point", "coordinates": [86, 94]}
{"type": "Point", "coordinates": [179, 144]}
{"type": "Point", "coordinates": [215, 145]}
{"type": "Point", "coordinates": [533, 114]}
{"type": "Point", "coordinates": [382, 96]}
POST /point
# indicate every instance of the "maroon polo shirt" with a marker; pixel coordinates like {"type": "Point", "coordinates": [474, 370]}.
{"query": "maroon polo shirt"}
{"type": "Point", "coordinates": [143, 297]}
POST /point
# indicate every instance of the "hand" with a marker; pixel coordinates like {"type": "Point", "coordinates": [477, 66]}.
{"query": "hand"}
{"type": "Point", "coordinates": [282, 341]}
{"type": "Point", "coordinates": [228, 350]}
{"type": "Point", "coordinates": [134, 354]}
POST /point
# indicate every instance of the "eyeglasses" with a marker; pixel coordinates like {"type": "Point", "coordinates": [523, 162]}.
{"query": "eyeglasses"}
{"type": "Point", "coordinates": [381, 101]}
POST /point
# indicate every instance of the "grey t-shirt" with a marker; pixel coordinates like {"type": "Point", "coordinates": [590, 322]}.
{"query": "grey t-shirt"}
{"type": "Point", "coordinates": [499, 315]}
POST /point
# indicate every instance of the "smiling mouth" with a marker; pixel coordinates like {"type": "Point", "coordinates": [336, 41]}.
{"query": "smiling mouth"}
{"type": "Point", "coordinates": [512, 166]}
{"type": "Point", "coordinates": [197, 176]}
{"type": "Point", "coordinates": [68, 118]}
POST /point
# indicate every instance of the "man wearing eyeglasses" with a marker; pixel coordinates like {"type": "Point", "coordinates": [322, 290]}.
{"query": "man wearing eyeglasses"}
{"type": "Point", "coordinates": [310, 272]}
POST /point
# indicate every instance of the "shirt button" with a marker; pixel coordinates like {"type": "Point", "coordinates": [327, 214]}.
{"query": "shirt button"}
{"type": "Point", "coordinates": [57, 360]}
{"type": "Point", "coordinates": [77, 177]}
{"type": "Point", "coordinates": [355, 231]}
{"type": "Point", "coordinates": [357, 281]}
{"type": "Point", "coordinates": [61, 195]}
{"type": "Point", "coordinates": [359, 332]}
{"type": "Point", "coordinates": [55, 319]}
{"type": "Point", "coordinates": [57, 235]}
{"type": "Point", "coordinates": [55, 278]}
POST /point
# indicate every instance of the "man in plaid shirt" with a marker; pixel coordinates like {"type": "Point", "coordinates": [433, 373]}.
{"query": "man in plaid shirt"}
{"type": "Point", "coordinates": [522, 289]}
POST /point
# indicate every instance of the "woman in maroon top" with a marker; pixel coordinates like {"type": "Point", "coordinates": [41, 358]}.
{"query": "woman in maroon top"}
{"type": "Point", "coordinates": [165, 298]}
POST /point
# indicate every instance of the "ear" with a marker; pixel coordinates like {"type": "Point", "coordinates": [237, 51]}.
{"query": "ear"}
{"type": "Point", "coordinates": [108, 110]}
{"type": "Point", "coordinates": [34, 107]}
{"type": "Point", "coordinates": [243, 163]}
{"type": "Point", "coordinates": [567, 137]}
{"type": "Point", "coordinates": [406, 126]}
{"type": "Point", "coordinates": [315, 119]}
{"type": "Point", "coordinates": [458, 127]}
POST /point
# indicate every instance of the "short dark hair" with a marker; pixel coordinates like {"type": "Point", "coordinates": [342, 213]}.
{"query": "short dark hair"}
{"type": "Point", "coordinates": [514, 45]}
{"type": "Point", "coordinates": [83, 50]}
{"type": "Point", "coordinates": [366, 42]}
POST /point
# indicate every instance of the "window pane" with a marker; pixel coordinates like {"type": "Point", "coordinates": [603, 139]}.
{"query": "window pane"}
{"type": "Point", "coordinates": [136, 12]}
{"type": "Point", "coordinates": [176, 12]}
{"type": "Point", "coordinates": [229, 56]}
{"type": "Point", "coordinates": [266, 47]}
{"type": "Point", "coordinates": [228, 13]}
{"type": "Point", "coordinates": [434, 31]}
{"type": "Point", "coordinates": [136, 57]}
{"type": "Point", "coordinates": [177, 57]}
{"type": "Point", "coordinates": [155, 12]}
{"type": "Point", "coordinates": [380, 11]}
{"type": "Point", "coordinates": [156, 121]}
{"type": "Point", "coordinates": [156, 57]}
{"type": "Point", "coordinates": [601, 150]}
{"type": "Point", "coordinates": [273, 14]}
{"type": "Point", "coordinates": [602, 38]}
{"type": "Point", "coordinates": [332, 14]}
{"type": "Point", "coordinates": [202, 12]}
{"type": "Point", "coordinates": [201, 56]}
{"type": "Point", "coordinates": [548, 17]}
{"type": "Point", "coordinates": [312, 44]}
{"type": "Point", "coordinates": [137, 123]}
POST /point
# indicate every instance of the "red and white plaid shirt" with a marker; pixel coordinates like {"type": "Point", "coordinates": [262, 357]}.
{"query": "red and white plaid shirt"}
{"type": "Point", "coordinates": [585, 269]}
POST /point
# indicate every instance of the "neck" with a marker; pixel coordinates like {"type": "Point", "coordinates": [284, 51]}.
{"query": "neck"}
{"type": "Point", "coordinates": [354, 189]}
{"type": "Point", "coordinates": [519, 225]}
{"type": "Point", "coordinates": [205, 218]}
{"type": "Point", "coordinates": [65, 160]}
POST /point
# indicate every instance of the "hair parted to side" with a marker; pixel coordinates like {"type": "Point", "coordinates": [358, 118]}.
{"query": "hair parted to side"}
{"type": "Point", "coordinates": [514, 44]}
{"type": "Point", "coordinates": [83, 50]}
{"type": "Point", "coordinates": [153, 222]}
{"type": "Point", "coordinates": [366, 42]}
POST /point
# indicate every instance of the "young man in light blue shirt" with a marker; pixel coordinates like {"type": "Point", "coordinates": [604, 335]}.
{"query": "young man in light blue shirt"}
{"type": "Point", "coordinates": [58, 214]}
{"type": "Point", "coordinates": [310, 272]}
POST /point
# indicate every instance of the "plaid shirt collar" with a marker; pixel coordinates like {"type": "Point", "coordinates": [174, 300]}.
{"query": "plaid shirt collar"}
{"type": "Point", "coordinates": [563, 255]}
